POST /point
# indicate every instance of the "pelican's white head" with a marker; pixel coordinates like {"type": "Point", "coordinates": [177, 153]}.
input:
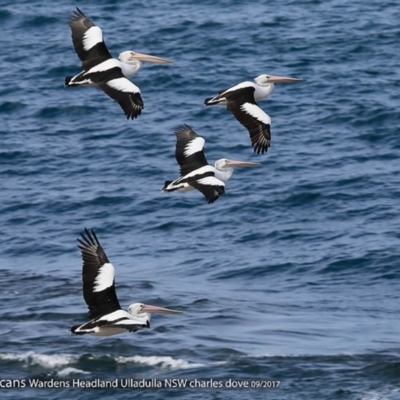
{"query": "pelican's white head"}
{"type": "Point", "coordinates": [225, 166]}
{"type": "Point", "coordinates": [267, 81]}
{"type": "Point", "coordinates": [221, 164]}
{"type": "Point", "coordinates": [132, 62]}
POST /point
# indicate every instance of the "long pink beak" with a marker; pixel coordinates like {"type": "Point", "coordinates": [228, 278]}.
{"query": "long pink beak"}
{"type": "Point", "coordinates": [283, 79]}
{"type": "Point", "coordinates": [161, 310]}
{"type": "Point", "coordinates": [233, 163]}
{"type": "Point", "coordinates": [152, 59]}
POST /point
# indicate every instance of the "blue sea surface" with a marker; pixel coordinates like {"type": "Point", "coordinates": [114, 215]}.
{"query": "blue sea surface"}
{"type": "Point", "coordinates": [291, 279]}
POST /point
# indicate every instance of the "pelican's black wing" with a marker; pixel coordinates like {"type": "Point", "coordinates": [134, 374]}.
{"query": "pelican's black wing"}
{"type": "Point", "coordinates": [242, 105]}
{"type": "Point", "coordinates": [97, 276]}
{"type": "Point", "coordinates": [88, 40]}
{"type": "Point", "coordinates": [189, 151]}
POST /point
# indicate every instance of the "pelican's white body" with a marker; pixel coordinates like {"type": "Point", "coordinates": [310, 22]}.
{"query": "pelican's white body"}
{"type": "Point", "coordinates": [262, 89]}
{"type": "Point", "coordinates": [128, 69]}
{"type": "Point", "coordinates": [221, 175]}
{"type": "Point", "coordinates": [116, 322]}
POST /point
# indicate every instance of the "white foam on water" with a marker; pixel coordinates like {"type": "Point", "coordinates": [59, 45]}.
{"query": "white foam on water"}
{"type": "Point", "coordinates": [44, 360]}
{"type": "Point", "coordinates": [71, 371]}
{"type": "Point", "coordinates": [382, 394]}
{"type": "Point", "coordinates": [163, 362]}
{"type": "Point", "coordinates": [220, 363]}
{"type": "Point", "coordinates": [60, 360]}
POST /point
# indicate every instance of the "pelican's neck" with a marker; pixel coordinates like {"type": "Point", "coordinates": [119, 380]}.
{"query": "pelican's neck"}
{"type": "Point", "coordinates": [223, 173]}
{"type": "Point", "coordinates": [263, 90]}
{"type": "Point", "coordinates": [141, 316]}
{"type": "Point", "coordinates": [130, 69]}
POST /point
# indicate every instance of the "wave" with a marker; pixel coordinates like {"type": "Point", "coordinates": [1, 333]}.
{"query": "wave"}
{"type": "Point", "coordinates": [161, 361]}
{"type": "Point", "coordinates": [66, 372]}
{"type": "Point", "coordinates": [44, 360]}
{"type": "Point", "coordinates": [68, 362]}
{"type": "Point", "coordinates": [387, 393]}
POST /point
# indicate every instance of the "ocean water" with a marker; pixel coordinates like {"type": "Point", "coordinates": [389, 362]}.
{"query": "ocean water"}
{"type": "Point", "coordinates": [289, 283]}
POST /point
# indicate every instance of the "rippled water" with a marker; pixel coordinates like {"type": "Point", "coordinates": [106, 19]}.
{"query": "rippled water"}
{"type": "Point", "coordinates": [292, 276]}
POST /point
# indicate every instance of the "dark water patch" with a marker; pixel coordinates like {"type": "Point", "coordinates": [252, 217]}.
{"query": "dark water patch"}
{"type": "Point", "coordinates": [96, 138]}
{"type": "Point", "coordinates": [5, 14]}
{"type": "Point", "coordinates": [254, 272]}
{"type": "Point", "coordinates": [64, 205]}
{"type": "Point", "coordinates": [14, 155]}
{"type": "Point", "coordinates": [39, 316]}
{"type": "Point", "coordinates": [375, 118]}
{"type": "Point", "coordinates": [301, 199]}
{"type": "Point", "coordinates": [38, 21]}
{"type": "Point", "coordinates": [384, 138]}
{"type": "Point", "coordinates": [63, 70]}
{"type": "Point", "coordinates": [30, 172]}
{"type": "Point", "coordinates": [164, 226]}
{"type": "Point", "coordinates": [9, 107]}
{"type": "Point", "coordinates": [375, 263]}
{"type": "Point", "coordinates": [68, 111]}
{"type": "Point", "coordinates": [18, 207]}
{"type": "Point", "coordinates": [199, 302]}
{"type": "Point", "coordinates": [385, 368]}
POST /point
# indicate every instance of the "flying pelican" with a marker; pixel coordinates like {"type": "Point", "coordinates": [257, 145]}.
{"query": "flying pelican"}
{"type": "Point", "coordinates": [195, 171]}
{"type": "Point", "coordinates": [99, 293]}
{"type": "Point", "coordinates": [240, 100]}
{"type": "Point", "coordinates": [102, 70]}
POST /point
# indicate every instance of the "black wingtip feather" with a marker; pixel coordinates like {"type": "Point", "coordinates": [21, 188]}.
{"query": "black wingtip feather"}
{"type": "Point", "coordinates": [74, 328]}
{"type": "Point", "coordinates": [67, 80]}
{"type": "Point", "coordinates": [79, 13]}
{"type": "Point", "coordinates": [165, 185]}
{"type": "Point", "coordinates": [89, 239]}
